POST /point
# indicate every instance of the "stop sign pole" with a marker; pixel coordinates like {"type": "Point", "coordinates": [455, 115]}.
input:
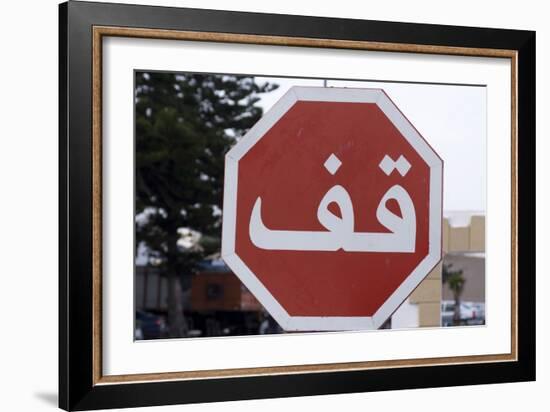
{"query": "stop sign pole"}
{"type": "Point", "coordinates": [332, 209]}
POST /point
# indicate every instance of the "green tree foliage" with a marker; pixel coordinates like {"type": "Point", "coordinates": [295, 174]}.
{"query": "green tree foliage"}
{"type": "Point", "coordinates": [185, 123]}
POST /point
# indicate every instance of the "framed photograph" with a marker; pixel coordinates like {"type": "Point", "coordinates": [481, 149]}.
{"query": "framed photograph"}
{"type": "Point", "coordinates": [256, 205]}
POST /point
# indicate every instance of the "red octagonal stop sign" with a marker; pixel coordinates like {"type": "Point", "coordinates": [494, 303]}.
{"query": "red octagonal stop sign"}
{"type": "Point", "coordinates": [332, 209]}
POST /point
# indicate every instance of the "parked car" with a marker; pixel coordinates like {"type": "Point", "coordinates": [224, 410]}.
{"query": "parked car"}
{"type": "Point", "coordinates": [478, 313]}
{"type": "Point", "coordinates": [471, 313]}
{"type": "Point", "coordinates": [149, 326]}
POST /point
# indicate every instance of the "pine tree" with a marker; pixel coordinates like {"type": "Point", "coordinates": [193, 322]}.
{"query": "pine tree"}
{"type": "Point", "coordinates": [185, 123]}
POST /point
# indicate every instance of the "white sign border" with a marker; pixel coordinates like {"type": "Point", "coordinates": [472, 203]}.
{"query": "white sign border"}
{"type": "Point", "coordinates": [255, 134]}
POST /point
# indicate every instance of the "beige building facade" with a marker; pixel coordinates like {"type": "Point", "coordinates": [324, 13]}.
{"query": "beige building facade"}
{"type": "Point", "coordinates": [462, 241]}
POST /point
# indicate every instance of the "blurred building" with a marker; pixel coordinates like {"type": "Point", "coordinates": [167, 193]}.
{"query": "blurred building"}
{"type": "Point", "coordinates": [215, 302]}
{"type": "Point", "coordinates": [151, 289]}
{"type": "Point", "coordinates": [472, 265]}
{"type": "Point", "coordinates": [464, 248]}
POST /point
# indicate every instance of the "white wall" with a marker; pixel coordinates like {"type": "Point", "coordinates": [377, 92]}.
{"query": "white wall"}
{"type": "Point", "coordinates": [28, 209]}
{"type": "Point", "coordinates": [406, 316]}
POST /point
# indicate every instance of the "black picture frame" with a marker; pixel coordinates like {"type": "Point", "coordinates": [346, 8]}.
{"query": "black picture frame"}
{"type": "Point", "coordinates": [77, 388]}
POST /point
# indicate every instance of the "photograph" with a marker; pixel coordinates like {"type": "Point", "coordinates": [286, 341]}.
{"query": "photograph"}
{"type": "Point", "coordinates": [186, 123]}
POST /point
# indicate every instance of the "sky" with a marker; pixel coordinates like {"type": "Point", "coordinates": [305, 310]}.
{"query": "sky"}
{"type": "Point", "coordinates": [452, 118]}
